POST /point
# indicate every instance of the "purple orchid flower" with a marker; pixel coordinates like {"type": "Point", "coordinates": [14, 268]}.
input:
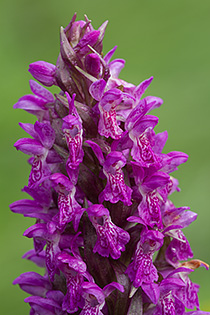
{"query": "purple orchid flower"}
{"type": "Point", "coordinates": [46, 235]}
{"type": "Point", "coordinates": [115, 189]}
{"type": "Point", "coordinates": [69, 209]}
{"type": "Point", "coordinates": [141, 269]}
{"type": "Point", "coordinates": [108, 102]}
{"type": "Point", "coordinates": [74, 270]}
{"type": "Point", "coordinates": [72, 128]}
{"type": "Point", "coordinates": [44, 137]}
{"type": "Point", "coordinates": [111, 239]}
{"type": "Point", "coordinates": [178, 249]}
{"type": "Point", "coordinates": [149, 208]}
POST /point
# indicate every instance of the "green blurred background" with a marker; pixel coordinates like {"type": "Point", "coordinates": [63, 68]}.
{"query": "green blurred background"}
{"type": "Point", "coordinates": [167, 39]}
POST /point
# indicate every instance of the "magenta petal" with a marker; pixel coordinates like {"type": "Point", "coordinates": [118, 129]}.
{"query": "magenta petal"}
{"type": "Point", "coordinates": [72, 128]}
{"type": "Point", "coordinates": [25, 206]}
{"type": "Point", "coordinates": [34, 99]}
{"type": "Point", "coordinates": [43, 306]}
{"type": "Point", "coordinates": [114, 159]}
{"type": "Point", "coordinates": [73, 173]}
{"type": "Point", "coordinates": [111, 287]}
{"type": "Point", "coordinates": [88, 39]}
{"type": "Point", "coordinates": [45, 133]}
{"type": "Point", "coordinates": [40, 171]}
{"type": "Point", "coordinates": [37, 230]}
{"type": "Point", "coordinates": [29, 128]}
{"type": "Point", "coordinates": [168, 274]}
{"type": "Point", "coordinates": [111, 99]}
{"type": "Point", "coordinates": [116, 66]}
{"type": "Point", "coordinates": [108, 126]}
{"type": "Point", "coordinates": [178, 250]}
{"type": "Point", "coordinates": [160, 140]}
{"type": "Point", "coordinates": [153, 102]}
{"type": "Point", "coordinates": [55, 295]}
{"type": "Point", "coordinates": [69, 209]}
{"type": "Point", "coordinates": [74, 143]}
{"type": "Point", "coordinates": [97, 210]}
{"type": "Point", "coordinates": [123, 143]}
{"type": "Point", "coordinates": [138, 173]}
{"type": "Point", "coordinates": [172, 160]}
{"type": "Point", "coordinates": [97, 89]}
{"type": "Point", "coordinates": [152, 235]}
{"type": "Point", "coordinates": [137, 114]}
{"type": "Point", "coordinates": [33, 283]}
{"type": "Point", "coordinates": [141, 88]}
{"type": "Point", "coordinates": [37, 258]}
{"type": "Point", "coordinates": [30, 102]}
{"type": "Point", "coordinates": [170, 284]}
{"type": "Point", "coordinates": [146, 122]}
{"type": "Point", "coordinates": [109, 55]}
{"type": "Point", "coordinates": [59, 178]}
{"type": "Point", "coordinates": [30, 146]}
{"type": "Point", "coordinates": [186, 218]}
{"type": "Point", "coordinates": [72, 108]}
{"type": "Point", "coordinates": [189, 294]}
{"type": "Point", "coordinates": [39, 90]}
{"type": "Point", "coordinates": [73, 263]}
{"type": "Point", "coordinates": [71, 121]}
{"type": "Point", "coordinates": [169, 304]}
{"type": "Point", "coordinates": [93, 289]}
{"type": "Point", "coordinates": [97, 150]}
{"type": "Point", "coordinates": [156, 180]}
{"type": "Point", "coordinates": [179, 216]}
{"type": "Point", "coordinates": [152, 291]}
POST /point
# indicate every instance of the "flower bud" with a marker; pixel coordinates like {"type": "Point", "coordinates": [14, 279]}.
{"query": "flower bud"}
{"type": "Point", "coordinates": [44, 72]}
{"type": "Point", "coordinates": [93, 64]}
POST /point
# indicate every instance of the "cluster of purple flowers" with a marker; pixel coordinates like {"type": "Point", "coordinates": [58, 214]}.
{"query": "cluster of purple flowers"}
{"type": "Point", "coordinates": [110, 240]}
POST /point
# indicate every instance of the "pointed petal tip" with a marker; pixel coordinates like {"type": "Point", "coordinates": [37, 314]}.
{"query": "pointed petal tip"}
{"type": "Point", "coordinates": [105, 23]}
{"type": "Point", "coordinates": [103, 26]}
{"type": "Point", "coordinates": [16, 105]}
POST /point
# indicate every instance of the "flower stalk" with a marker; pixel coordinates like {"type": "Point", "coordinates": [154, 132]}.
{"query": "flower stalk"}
{"type": "Point", "coordinates": [106, 232]}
